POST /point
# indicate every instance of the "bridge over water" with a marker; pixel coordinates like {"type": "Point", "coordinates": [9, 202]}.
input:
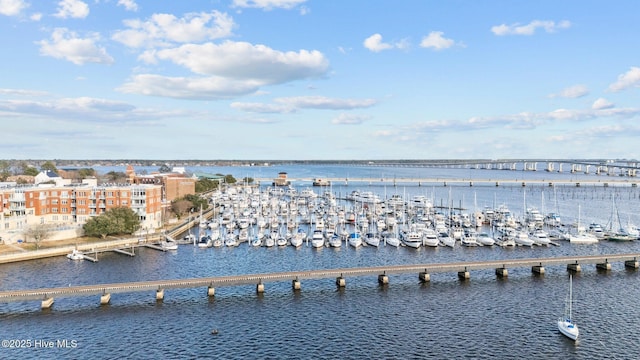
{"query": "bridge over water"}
{"type": "Point", "coordinates": [537, 265]}
{"type": "Point", "coordinates": [395, 181]}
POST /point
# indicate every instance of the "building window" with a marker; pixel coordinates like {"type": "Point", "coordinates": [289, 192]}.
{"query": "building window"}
{"type": "Point", "coordinates": [63, 201]}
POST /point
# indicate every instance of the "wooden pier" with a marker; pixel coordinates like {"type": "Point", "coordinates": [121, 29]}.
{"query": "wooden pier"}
{"type": "Point", "coordinates": [463, 269]}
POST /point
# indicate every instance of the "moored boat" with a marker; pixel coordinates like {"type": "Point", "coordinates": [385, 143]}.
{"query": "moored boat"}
{"type": "Point", "coordinates": [75, 255]}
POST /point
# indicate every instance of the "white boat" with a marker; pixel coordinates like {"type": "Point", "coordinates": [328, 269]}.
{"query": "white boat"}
{"type": "Point", "coordinates": [205, 242]}
{"type": "Point", "coordinates": [411, 239]}
{"type": "Point", "coordinates": [335, 241]}
{"type": "Point", "coordinates": [485, 239]}
{"type": "Point", "coordinates": [581, 236]}
{"type": "Point", "coordinates": [317, 239]}
{"type": "Point", "coordinates": [597, 230]}
{"type": "Point", "coordinates": [371, 239]}
{"type": "Point", "coordinates": [281, 241]}
{"type": "Point", "coordinates": [354, 239]}
{"type": "Point", "coordinates": [522, 239]}
{"type": "Point", "coordinates": [269, 241]}
{"type": "Point", "coordinates": [75, 255]}
{"type": "Point", "coordinates": [565, 324]}
{"type": "Point", "coordinates": [392, 240]}
{"type": "Point", "coordinates": [552, 219]}
{"type": "Point", "coordinates": [169, 245]}
{"type": "Point", "coordinates": [470, 238]}
{"type": "Point", "coordinates": [298, 238]}
{"type": "Point", "coordinates": [540, 237]}
{"type": "Point", "coordinates": [430, 238]}
{"type": "Point", "coordinates": [256, 241]}
{"type": "Point", "coordinates": [446, 240]}
{"type": "Point", "coordinates": [231, 240]}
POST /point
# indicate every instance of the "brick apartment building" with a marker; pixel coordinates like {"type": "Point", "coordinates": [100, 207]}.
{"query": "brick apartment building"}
{"type": "Point", "coordinates": [72, 205]}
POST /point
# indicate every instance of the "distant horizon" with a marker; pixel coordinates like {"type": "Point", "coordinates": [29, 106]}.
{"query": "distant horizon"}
{"type": "Point", "coordinates": [160, 162]}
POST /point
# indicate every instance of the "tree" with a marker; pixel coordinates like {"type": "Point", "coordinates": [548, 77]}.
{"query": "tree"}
{"type": "Point", "coordinates": [86, 172]}
{"type": "Point", "coordinates": [164, 169]}
{"type": "Point", "coordinates": [28, 169]}
{"type": "Point", "coordinates": [99, 226]}
{"type": "Point", "coordinates": [196, 202]}
{"type": "Point", "coordinates": [49, 166]}
{"type": "Point", "coordinates": [229, 179]}
{"type": "Point", "coordinates": [181, 207]}
{"type": "Point", "coordinates": [248, 180]}
{"type": "Point", "coordinates": [204, 185]}
{"type": "Point", "coordinates": [126, 219]}
{"type": "Point", "coordinates": [115, 176]}
{"type": "Point", "coordinates": [39, 233]}
{"type": "Point", "coordinates": [119, 220]}
{"type": "Point", "coordinates": [5, 170]}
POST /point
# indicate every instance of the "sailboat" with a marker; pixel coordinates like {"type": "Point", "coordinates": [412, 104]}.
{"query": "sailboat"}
{"type": "Point", "coordinates": [565, 323]}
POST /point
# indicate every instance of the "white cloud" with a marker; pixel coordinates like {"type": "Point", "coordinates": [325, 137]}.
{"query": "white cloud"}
{"type": "Point", "coordinates": [267, 4]}
{"type": "Point", "coordinates": [530, 28]}
{"type": "Point", "coordinates": [350, 119]}
{"type": "Point", "coordinates": [321, 102]}
{"type": "Point", "coordinates": [528, 120]}
{"type": "Point", "coordinates": [436, 41]}
{"type": "Point", "coordinates": [572, 92]}
{"type": "Point", "coordinates": [66, 106]}
{"type": "Point", "coordinates": [36, 16]}
{"type": "Point", "coordinates": [227, 70]}
{"type": "Point", "coordinates": [602, 103]}
{"type": "Point", "coordinates": [166, 29]}
{"type": "Point", "coordinates": [72, 8]}
{"type": "Point", "coordinates": [22, 92]}
{"type": "Point", "coordinates": [197, 88]}
{"type": "Point", "coordinates": [12, 7]}
{"type": "Point", "coordinates": [292, 104]}
{"type": "Point", "coordinates": [129, 5]}
{"type": "Point", "coordinates": [67, 45]}
{"type": "Point", "coordinates": [242, 60]}
{"type": "Point", "coordinates": [262, 108]}
{"type": "Point", "coordinates": [629, 79]}
{"type": "Point", "coordinates": [374, 43]}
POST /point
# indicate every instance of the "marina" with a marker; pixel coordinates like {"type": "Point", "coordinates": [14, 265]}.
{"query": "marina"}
{"type": "Point", "coordinates": [404, 308]}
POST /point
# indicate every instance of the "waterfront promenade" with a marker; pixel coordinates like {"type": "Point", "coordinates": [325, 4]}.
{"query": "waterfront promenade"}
{"type": "Point", "coordinates": [463, 269]}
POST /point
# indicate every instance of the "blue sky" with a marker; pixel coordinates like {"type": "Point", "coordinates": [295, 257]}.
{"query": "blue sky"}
{"type": "Point", "coordinates": [319, 79]}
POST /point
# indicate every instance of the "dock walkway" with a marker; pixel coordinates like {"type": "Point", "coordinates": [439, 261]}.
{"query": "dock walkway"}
{"type": "Point", "coordinates": [537, 265]}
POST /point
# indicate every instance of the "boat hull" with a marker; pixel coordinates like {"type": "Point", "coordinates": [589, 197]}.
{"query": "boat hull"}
{"type": "Point", "coordinates": [568, 329]}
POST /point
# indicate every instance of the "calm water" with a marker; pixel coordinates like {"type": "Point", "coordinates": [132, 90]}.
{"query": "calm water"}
{"type": "Point", "coordinates": [481, 318]}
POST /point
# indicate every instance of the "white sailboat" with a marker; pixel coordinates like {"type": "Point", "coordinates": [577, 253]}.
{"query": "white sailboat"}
{"type": "Point", "coordinates": [565, 323]}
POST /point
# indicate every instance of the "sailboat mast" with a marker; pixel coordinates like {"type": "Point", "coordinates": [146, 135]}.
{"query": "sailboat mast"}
{"type": "Point", "coordinates": [570, 294]}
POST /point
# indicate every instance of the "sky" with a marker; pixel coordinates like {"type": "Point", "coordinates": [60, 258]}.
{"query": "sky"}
{"type": "Point", "coordinates": [319, 79]}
